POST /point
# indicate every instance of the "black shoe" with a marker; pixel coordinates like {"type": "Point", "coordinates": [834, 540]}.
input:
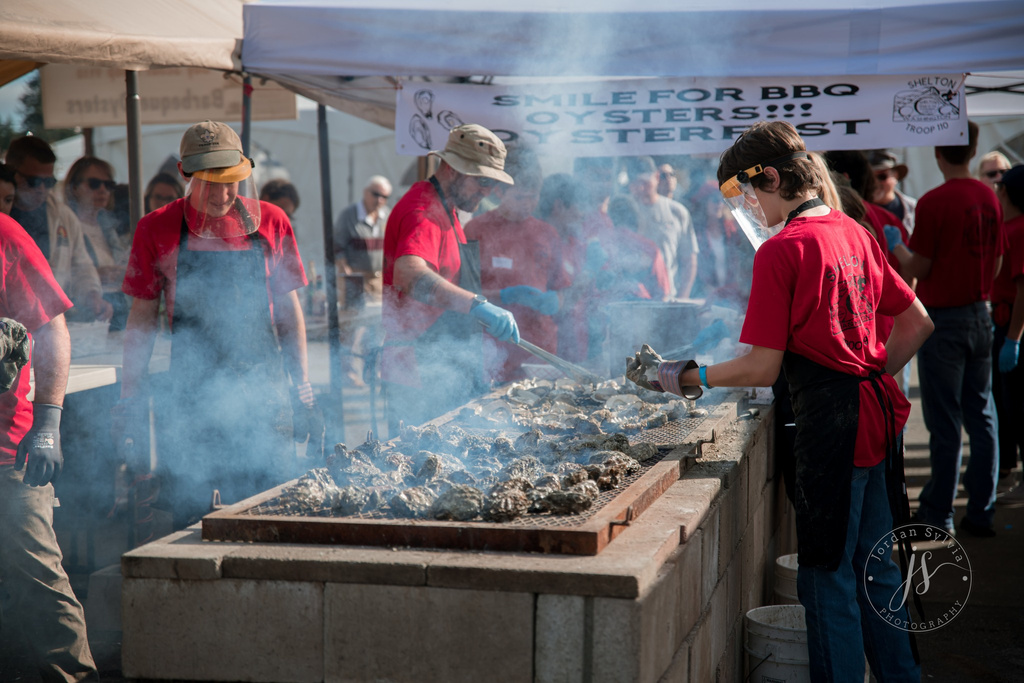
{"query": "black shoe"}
{"type": "Point", "coordinates": [975, 529]}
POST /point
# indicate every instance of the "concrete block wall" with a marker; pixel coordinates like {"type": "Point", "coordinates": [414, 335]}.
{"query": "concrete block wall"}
{"type": "Point", "coordinates": [664, 602]}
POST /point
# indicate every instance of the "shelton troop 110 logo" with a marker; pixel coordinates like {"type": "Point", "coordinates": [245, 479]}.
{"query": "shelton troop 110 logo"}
{"type": "Point", "coordinates": [937, 565]}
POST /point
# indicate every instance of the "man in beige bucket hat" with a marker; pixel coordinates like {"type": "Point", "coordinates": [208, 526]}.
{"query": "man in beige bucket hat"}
{"type": "Point", "coordinates": [432, 358]}
{"type": "Point", "coordinates": [227, 267]}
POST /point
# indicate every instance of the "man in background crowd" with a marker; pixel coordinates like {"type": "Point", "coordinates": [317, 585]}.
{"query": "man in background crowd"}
{"type": "Point", "coordinates": [521, 266]}
{"type": "Point", "coordinates": [991, 168]}
{"type": "Point", "coordinates": [54, 226]}
{"type": "Point", "coordinates": [889, 173]}
{"type": "Point", "coordinates": [359, 251]}
{"type": "Point", "coordinates": [667, 223]}
{"type": "Point", "coordinates": [955, 252]}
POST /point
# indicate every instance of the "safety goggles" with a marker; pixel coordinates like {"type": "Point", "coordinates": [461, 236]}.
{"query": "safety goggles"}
{"type": "Point", "coordinates": [34, 181]}
{"type": "Point", "coordinates": [96, 183]}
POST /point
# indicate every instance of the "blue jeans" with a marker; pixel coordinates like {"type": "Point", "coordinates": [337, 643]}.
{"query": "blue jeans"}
{"type": "Point", "coordinates": [841, 624]}
{"type": "Point", "coordinates": [954, 367]}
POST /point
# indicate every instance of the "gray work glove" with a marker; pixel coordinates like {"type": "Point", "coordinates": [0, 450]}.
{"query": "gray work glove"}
{"type": "Point", "coordinates": [649, 370]}
{"type": "Point", "coordinates": [13, 352]}
{"type": "Point", "coordinates": [39, 452]}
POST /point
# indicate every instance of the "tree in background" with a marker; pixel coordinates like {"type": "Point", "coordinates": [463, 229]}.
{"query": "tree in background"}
{"type": "Point", "coordinates": [31, 117]}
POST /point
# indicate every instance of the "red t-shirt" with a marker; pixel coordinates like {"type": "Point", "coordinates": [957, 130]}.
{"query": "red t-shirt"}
{"type": "Point", "coordinates": [152, 265]}
{"type": "Point", "coordinates": [958, 225]}
{"type": "Point", "coordinates": [1004, 289]}
{"type": "Point", "coordinates": [29, 294]}
{"type": "Point", "coordinates": [817, 287]}
{"type": "Point", "coordinates": [518, 252]}
{"type": "Point", "coordinates": [417, 226]}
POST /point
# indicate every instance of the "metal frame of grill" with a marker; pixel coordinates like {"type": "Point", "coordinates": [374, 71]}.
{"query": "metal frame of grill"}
{"type": "Point", "coordinates": [258, 519]}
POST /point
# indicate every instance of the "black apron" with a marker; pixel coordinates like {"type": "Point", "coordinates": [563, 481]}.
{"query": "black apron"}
{"type": "Point", "coordinates": [826, 404]}
{"type": "Point", "coordinates": [229, 414]}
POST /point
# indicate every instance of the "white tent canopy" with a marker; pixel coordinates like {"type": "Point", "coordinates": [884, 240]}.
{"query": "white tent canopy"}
{"type": "Point", "coordinates": [320, 48]}
{"type": "Point", "coordinates": [123, 34]}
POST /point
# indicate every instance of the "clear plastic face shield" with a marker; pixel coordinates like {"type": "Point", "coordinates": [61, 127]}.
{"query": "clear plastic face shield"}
{"type": "Point", "coordinates": [223, 203]}
{"type": "Point", "coordinates": [746, 209]}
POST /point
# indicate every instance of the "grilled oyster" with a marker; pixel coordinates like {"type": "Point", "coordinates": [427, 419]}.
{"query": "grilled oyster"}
{"type": "Point", "coordinates": [352, 500]}
{"type": "Point", "coordinates": [575, 500]}
{"type": "Point", "coordinates": [505, 506]}
{"type": "Point", "coordinates": [527, 467]}
{"type": "Point", "coordinates": [314, 491]}
{"type": "Point", "coordinates": [413, 502]}
{"type": "Point", "coordinates": [460, 503]}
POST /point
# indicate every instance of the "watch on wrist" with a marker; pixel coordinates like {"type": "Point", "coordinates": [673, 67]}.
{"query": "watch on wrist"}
{"type": "Point", "coordinates": [477, 300]}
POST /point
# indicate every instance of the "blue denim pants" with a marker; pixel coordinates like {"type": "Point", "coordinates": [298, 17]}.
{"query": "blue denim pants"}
{"type": "Point", "coordinates": [841, 624]}
{"type": "Point", "coordinates": [954, 367]}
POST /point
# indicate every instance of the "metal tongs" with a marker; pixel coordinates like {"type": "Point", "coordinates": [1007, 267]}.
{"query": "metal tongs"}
{"type": "Point", "coordinates": [580, 374]}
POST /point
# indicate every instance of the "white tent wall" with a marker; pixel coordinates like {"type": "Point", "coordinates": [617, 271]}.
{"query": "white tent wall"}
{"type": "Point", "coordinates": [288, 149]}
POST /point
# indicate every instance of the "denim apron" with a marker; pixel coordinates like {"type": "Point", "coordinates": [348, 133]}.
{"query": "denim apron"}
{"type": "Point", "coordinates": [229, 414]}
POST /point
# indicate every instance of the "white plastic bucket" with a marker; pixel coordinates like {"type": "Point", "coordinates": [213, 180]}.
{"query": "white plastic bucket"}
{"type": "Point", "coordinates": [777, 645]}
{"type": "Point", "coordinates": [785, 580]}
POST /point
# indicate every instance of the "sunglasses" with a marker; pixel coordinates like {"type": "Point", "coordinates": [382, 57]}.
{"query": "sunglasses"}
{"type": "Point", "coordinates": [996, 173]}
{"type": "Point", "coordinates": [665, 175]}
{"type": "Point", "coordinates": [485, 182]}
{"type": "Point", "coordinates": [34, 181]}
{"type": "Point", "coordinates": [96, 183]}
{"type": "Point", "coordinates": [380, 195]}
{"type": "Point", "coordinates": [885, 175]}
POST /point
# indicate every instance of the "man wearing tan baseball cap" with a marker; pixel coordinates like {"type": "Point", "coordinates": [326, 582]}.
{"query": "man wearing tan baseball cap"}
{"type": "Point", "coordinates": [432, 357]}
{"type": "Point", "coordinates": [228, 268]}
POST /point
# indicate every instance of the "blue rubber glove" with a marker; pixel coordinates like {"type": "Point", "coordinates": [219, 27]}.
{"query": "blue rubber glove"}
{"type": "Point", "coordinates": [893, 236]}
{"type": "Point", "coordinates": [709, 337]}
{"type": "Point", "coordinates": [39, 452]}
{"type": "Point", "coordinates": [1008, 355]}
{"type": "Point", "coordinates": [531, 297]}
{"type": "Point", "coordinates": [499, 323]}
{"type": "Point", "coordinates": [595, 258]}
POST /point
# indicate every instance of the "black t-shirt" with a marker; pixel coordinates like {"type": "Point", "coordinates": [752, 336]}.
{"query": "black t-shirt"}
{"type": "Point", "coordinates": [36, 226]}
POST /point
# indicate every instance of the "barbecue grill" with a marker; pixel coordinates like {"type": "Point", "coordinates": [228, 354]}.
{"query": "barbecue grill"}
{"type": "Point", "coordinates": [264, 518]}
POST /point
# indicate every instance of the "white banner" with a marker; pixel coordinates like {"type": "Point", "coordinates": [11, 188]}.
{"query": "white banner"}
{"type": "Point", "coordinates": [687, 115]}
{"type": "Point", "coordinates": [90, 96]}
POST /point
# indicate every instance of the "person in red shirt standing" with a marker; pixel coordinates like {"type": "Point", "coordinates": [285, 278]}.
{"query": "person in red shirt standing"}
{"type": "Point", "coordinates": [955, 253]}
{"type": "Point", "coordinates": [817, 286]}
{"type": "Point", "coordinates": [228, 268]}
{"type": "Point", "coordinates": [41, 603]}
{"type": "Point", "coordinates": [520, 266]}
{"type": "Point", "coordinates": [1008, 317]}
{"type": "Point", "coordinates": [431, 361]}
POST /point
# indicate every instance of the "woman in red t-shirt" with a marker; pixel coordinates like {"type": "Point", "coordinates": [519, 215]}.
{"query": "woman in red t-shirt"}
{"type": "Point", "coordinates": [819, 281]}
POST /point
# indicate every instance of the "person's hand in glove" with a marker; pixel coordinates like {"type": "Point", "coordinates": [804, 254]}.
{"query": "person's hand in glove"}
{"type": "Point", "coordinates": [307, 418]}
{"type": "Point", "coordinates": [500, 323]}
{"type": "Point", "coordinates": [893, 236]}
{"type": "Point", "coordinates": [1008, 355]}
{"type": "Point", "coordinates": [650, 371]}
{"type": "Point", "coordinates": [39, 452]}
{"type": "Point", "coordinates": [545, 303]}
{"type": "Point", "coordinates": [13, 351]}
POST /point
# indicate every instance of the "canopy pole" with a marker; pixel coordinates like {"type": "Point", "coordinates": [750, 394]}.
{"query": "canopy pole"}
{"type": "Point", "coordinates": [246, 113]}
{"type": "Point", "coordinates": [133, 111]}
{"type": "Point", "coordinates": [335, 426]}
